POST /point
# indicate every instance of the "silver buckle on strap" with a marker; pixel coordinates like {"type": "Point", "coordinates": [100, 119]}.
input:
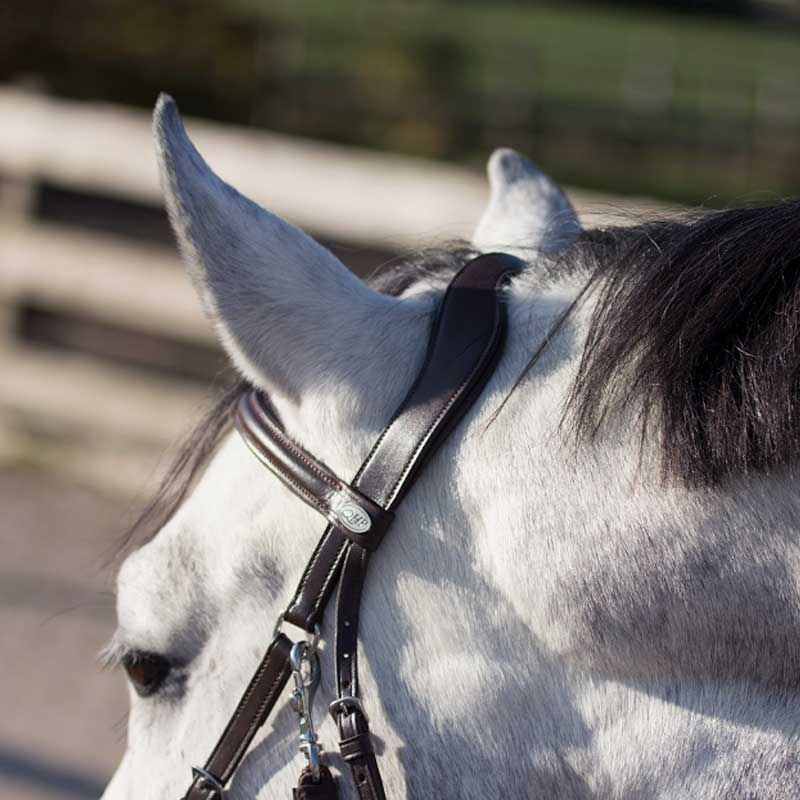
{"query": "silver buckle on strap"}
{"type": "Point", "coordinates": [209, 779]}
{"type": "Point", "coordinates": [343, 704]}
{"type": "Point", "coordinates": [313, 638]}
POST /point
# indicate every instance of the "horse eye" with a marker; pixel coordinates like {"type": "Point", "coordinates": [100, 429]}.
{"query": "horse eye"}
{"type": "Point", "coordinates": [146, 671]}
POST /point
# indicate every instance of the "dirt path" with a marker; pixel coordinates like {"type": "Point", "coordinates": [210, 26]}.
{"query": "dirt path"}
{"type": "Point", "coordinates": [62, 729]}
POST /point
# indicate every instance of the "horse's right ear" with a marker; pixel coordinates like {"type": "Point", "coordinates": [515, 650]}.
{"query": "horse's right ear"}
{"type": "Point", "coordinates": [292, 317]}
{"type": "Point", "coordinates": [528, 212]}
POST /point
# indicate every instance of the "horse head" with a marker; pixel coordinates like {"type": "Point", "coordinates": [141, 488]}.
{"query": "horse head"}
{"type": "Point", "coordinates": [593, 589]}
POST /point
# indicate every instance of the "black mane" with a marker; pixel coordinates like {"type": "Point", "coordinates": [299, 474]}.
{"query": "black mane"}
{"type": "Point", "coordinates": [696, 327]}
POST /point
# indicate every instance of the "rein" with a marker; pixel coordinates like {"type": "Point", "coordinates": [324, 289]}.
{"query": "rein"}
{"type": "Point", "coordinates": [465, 344]}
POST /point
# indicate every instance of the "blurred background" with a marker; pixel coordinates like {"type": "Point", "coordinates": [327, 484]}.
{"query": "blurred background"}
{"type": "Point", "coordinates": [368, 123]}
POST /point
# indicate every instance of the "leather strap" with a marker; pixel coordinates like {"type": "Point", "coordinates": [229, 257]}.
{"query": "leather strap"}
{"type": "Point", "coordinates": [355, 742]}
{"type": "Point", "coordinates": [463, 346]}
{"type": "Point", "coordinates": [348, 608]}
{"type": "Point", "coordinates": [465, 342]}
{"type": "Point", "coordinates": [258, 700]}
{"type": "Point", "coordinates": [356, 749]}
{"type": "Point", "coordinates": [352, 513]}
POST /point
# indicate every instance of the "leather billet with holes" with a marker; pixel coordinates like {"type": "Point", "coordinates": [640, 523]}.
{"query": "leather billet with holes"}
{"type": "Point", "coordinates": [464, 345]}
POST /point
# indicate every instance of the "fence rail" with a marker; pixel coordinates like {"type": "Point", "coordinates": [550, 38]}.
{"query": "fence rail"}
{"type": "Point", "coordinates": [104, 351]}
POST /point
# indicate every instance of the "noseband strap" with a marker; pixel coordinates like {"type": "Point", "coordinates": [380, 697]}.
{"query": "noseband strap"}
{"type": "Point", "coordinates": [465, 343]}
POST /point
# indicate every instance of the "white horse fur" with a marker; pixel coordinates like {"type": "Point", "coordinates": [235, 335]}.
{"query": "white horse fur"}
{"type": "Point", "coordinates": [541, 622]}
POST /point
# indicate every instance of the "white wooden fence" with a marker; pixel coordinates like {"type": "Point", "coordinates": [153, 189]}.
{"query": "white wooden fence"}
{"type": "Point", "coordinates": [105, 422]}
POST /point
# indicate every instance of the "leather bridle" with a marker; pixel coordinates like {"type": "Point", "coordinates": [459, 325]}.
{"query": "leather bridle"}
{"type": "Point", "coordinates": [465, 343]}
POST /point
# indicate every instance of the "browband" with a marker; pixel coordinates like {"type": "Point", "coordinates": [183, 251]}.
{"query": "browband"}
{"type": "Point", "coordinates": [464, 345]}
{"type": "Point", "coordinates": [352, 513]}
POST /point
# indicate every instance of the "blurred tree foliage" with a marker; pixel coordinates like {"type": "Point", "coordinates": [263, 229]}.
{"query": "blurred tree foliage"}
{"type": "Point", "coordinates": [734, 8]}
{"type": "Point", "coordinates": [698, 109]}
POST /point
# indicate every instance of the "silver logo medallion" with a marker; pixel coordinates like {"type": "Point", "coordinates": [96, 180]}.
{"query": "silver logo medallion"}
{"type": "Point", "coordinates": [353, 517]}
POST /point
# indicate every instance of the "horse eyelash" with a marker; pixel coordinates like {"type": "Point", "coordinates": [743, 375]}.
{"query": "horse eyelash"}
{"type": "Point", "coordinates": [112, 655]}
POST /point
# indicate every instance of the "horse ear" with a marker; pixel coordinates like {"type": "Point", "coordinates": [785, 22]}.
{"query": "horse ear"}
{"type": "Point", "coordinates": [289, 313]}
{"type": "Point", "coordinates": [527, 211]}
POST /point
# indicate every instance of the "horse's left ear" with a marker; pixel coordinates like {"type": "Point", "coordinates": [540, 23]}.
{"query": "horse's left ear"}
{"type": "Point", "coordinates": [527, 211]}
{"type": "Point", "coordinates": [292, 317]}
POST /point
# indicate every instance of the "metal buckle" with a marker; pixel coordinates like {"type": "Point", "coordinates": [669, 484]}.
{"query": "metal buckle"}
{"type": "Point", "coordinates": [313, 641]}
{"type": "Point", "coordinates": [208, 778]}
{"type": "Point", "coordinates": [342, 704]}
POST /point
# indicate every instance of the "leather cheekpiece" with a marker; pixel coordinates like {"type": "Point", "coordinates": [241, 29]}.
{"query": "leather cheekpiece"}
{"type": "Point", "coordinates": [258, 699]}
